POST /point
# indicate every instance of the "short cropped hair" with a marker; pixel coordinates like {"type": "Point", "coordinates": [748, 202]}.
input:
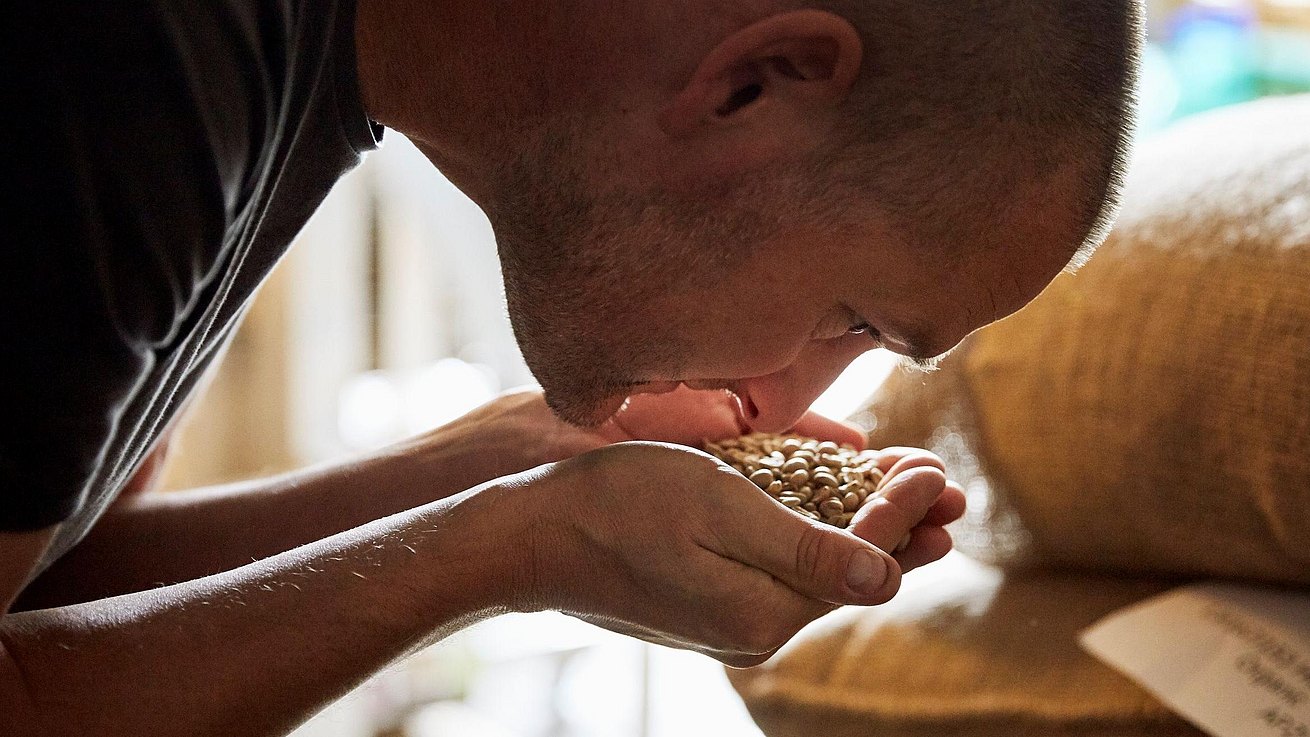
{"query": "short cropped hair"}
{"type": "Point", "coordinates": [984, 81]}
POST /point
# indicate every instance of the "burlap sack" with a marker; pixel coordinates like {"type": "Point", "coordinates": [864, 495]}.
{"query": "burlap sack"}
{"type": "Point", "coordinates": [968, 652]}
{"type": "Point", "coordinates": [1152, 412]}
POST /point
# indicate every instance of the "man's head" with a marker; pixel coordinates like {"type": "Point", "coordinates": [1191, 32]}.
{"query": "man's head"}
{"type": "Point", "coordinates": [718, 192]}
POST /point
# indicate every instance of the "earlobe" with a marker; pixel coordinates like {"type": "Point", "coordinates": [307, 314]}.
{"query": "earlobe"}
{"type": "Point", "coordinates": [803, 60]}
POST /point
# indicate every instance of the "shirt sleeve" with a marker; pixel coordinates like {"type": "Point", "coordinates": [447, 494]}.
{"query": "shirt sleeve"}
{"type": "Point", "coordinates": [115, 206]}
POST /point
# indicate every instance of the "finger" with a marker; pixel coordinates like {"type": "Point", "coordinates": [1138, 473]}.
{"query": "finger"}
{"type": "Point", "coordinates": [927, 545]}
{"type": "Point", "coordinates": [815, 425]}
{"type": "Point", "coordinates": [903, 459]}
{"type": "Point", "coordinates": [816, 560]}
{"type": "Point", "coordinates": [899, 506]}
{"type": "Point", "coordinates": [949, 507]}
{"type": "Point", "coordinates": [887, 457]}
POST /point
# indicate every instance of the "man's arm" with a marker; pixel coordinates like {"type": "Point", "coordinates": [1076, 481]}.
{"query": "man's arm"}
{"type": "Point", "coordinates": [155, 539]}
{"type": "Point", "coordinates": [681, 552]}
{"type": "Point", "coordinates": [252, 651]}
{"type": "Point", "coordinates": [161, 538]}
{"type": "Point", "coordinates": [149, 539]}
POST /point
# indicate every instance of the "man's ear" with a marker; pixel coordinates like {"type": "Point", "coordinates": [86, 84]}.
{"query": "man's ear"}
{"type": "Point", "coordinates": [790, 66]}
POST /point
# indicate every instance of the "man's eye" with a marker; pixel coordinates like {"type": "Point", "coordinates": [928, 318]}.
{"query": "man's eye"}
{"type": "Point", "coordinates": [859, 329]}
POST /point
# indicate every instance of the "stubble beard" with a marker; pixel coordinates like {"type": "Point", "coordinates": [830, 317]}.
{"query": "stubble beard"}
{"type": "Point", "coordinates": [581, 274]}
{"type": "Point", "coordinates": [582, 356]}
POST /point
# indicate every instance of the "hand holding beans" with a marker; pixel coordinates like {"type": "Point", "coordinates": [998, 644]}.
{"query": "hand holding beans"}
{"type": "Point", "coordinates": [671, 545]}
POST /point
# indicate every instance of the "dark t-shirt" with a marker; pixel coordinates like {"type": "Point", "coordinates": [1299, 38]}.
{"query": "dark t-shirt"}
{"type": "Point", "coordinates": [166, 153]}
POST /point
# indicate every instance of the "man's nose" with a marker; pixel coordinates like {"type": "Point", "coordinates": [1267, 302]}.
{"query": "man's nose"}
{"type": "Point", "coordinates": [775, 402]}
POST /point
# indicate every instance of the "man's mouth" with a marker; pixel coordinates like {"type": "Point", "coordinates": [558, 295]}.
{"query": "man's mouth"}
{"type": "Point", "coordinates": [606, 409]}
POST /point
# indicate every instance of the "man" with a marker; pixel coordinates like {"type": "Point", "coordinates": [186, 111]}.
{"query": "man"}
{"type": "Point", "coordinates": [688, 197]}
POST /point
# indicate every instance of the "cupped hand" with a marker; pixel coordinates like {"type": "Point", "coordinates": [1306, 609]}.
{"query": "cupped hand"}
{"type": "Point", "coordinates": [690, 418]}
{"type": "Point", "coordinates": [668, 544]}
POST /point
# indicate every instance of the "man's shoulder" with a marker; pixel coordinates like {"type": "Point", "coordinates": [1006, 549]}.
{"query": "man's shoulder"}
{"type": "Point", "coordinates": [133, 129]}
{"type": "Point", "coordinates": [164, 154]}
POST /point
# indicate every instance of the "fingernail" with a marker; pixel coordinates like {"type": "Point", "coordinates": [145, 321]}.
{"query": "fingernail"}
{"type": "Point", "coordinates": [865, 573]}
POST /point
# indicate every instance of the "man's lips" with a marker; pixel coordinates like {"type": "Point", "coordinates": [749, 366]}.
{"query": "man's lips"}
{"type": "Point", "coordinates": [664, 387]}
{"type": "Point", "coordinates": [605, 409]}
{"type": "Point", "coordinates": [745, 405]}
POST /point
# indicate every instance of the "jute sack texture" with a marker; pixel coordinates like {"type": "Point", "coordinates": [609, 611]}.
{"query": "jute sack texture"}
{"type": "Point", "coordinates": [966, 652]}
{"type": "Point", "coordinates": [1150, 413]}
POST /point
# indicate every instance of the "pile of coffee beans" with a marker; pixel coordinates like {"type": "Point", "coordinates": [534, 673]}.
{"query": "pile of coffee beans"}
{"type": "Point", "coordinates": [820, 480]}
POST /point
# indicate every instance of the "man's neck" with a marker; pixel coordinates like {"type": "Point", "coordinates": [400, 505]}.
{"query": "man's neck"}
{"type": "Point", "coordinates": [430, 70]}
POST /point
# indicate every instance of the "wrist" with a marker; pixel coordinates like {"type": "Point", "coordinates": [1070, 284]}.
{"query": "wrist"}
{"type": "Point", "coordinates": [507, 530]}
{"type": "Point", "coordinates": [475, 450]}
{"type": "Point", "coordinates": [442, 463]}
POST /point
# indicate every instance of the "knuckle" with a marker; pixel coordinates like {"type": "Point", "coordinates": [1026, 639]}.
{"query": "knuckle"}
{"type": "Point", "coordinates": [904, 515]}
{"type": "Point", "coordinates": [814, 549]}
{"type": "Point", "coordinates": [892, 518]}
{"type": "Point", "coordinates": [810, 553]}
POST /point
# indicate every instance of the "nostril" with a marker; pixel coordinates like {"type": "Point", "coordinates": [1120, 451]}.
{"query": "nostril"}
{"type": "Point", "coordinates": [746, 406]}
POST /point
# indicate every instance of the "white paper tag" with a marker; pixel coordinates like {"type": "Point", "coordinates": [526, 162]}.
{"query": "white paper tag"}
{"type": "Point", "coordinates": [1233, 660]}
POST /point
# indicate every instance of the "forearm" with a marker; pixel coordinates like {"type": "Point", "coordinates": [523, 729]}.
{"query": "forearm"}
{"type": "Point", "coordinates": [158, 539]}
{"type": "Point", "coordinates": [257, 649]}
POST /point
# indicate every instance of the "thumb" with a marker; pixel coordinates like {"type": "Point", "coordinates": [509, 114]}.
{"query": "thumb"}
{"type": "Point", "coordinates": [815, 560]}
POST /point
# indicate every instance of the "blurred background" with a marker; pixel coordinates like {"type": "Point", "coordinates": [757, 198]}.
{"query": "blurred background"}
{"type": "Point", "coordinates": [387, 319]}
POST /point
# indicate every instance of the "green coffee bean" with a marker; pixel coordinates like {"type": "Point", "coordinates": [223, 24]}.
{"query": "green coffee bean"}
{"type": "Point", "coordinates": [819, 480]}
